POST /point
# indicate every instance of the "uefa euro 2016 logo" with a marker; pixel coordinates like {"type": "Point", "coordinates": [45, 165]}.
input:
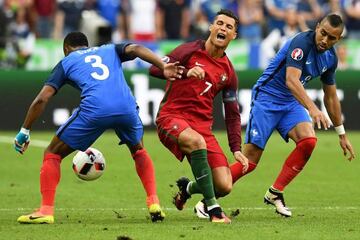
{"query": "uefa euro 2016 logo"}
{"type": "Point", "coordinates": [297, 54]}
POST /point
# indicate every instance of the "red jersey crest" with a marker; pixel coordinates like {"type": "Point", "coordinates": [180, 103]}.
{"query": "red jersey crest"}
{"type": "Point", "coordinates": [223, 77]}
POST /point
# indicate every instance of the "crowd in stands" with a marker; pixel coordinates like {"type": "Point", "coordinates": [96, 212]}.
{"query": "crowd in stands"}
{"type": "Point", "coordinates": [266, 21]}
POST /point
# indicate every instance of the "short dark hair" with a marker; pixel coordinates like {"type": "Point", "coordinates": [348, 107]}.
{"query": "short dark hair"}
{"type": "Point", "coordinates": [76, 39]}
{"type": "Point", "coordinates": [229, 14]}
{"type": "Point", "coordinates": [334, 20]}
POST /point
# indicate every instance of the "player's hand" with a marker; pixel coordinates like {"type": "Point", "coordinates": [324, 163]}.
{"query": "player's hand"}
{"type": "Point", "coordinates": [346, 147]}
{"type": "Point", "coordinates": [319, 118]}
{"type": "Point", "coordinates": [22, 140]}
{"type": "Point", "coordinates": [173, 71]}
{"type": "Point", "coordinates": [242, 159]}
{"type": "Point", "coordinates": [196, 72]}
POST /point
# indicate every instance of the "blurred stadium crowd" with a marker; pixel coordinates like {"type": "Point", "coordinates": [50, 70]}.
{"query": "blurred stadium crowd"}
{"type": "Point", "coordinates": [268, 22]}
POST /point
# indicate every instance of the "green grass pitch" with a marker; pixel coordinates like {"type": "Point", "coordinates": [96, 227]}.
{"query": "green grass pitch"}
{"type": "Point", "coordinates": [325, 197]}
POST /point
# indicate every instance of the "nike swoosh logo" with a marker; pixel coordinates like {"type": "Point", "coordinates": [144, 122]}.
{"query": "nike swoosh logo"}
{"type": "Point", "coordinates": [295, 169]}
{"type": "Point", "coordinates": [199, 64]}
{"type": "Point", "coordinates": [308, 62]}
{"type": "Point", "coordinates": [198, 178]}
{"type": "Point", "coordinates": [34, 217]}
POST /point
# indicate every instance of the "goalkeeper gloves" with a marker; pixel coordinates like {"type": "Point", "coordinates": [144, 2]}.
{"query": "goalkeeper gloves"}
{"type": "Point", "coordinates": [22, 140]}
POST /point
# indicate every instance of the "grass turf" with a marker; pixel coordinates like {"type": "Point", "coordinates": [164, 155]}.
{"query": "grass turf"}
{"type": "Point", "coordinates": [325, 197]}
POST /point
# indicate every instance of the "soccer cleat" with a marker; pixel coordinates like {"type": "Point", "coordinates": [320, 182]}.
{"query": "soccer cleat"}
{"type": "Point", "coordinates": [36, 218]}
{"type": "Point", "coordinates": [200, 210]}
{"type": "Point", "coordinates": [216, 215]}
{"type": "Point", "coordinates": [156, 213]}
{"type": "Point", "coordinates": [276, 198]}
{"type": "Point", "coordinates": [182, 196]}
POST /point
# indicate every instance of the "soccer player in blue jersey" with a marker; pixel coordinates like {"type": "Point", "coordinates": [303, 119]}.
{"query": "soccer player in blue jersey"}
{"type": "Point", "coordinates": [106, 103]}
{"type": "Point", "coordinates": [279, 101]}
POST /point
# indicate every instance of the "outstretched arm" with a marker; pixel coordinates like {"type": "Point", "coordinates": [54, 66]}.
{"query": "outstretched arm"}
{"type": "Point", "coordinates": [170, 70]}
{"type": "Point", "coordinates": [180, 54]}
{"type": "Point", "coordinates": [297, 89]}
{"type": "Point", "coordinates": [333, 108]}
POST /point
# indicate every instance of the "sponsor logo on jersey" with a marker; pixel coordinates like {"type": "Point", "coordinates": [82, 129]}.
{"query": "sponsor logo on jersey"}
{"type": "Point", "coordinates": [297, 54]}
{"type": "Point", "coordinates": [223, 77]}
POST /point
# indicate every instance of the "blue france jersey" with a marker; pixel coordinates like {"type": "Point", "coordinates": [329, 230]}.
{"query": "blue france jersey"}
{"type": "Point", "coordinates": [98, 74]}
{"type": "Point", "coordinates": [299, 52]}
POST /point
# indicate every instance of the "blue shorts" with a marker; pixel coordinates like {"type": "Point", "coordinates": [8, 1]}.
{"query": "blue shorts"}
{"type": "Point", "coordinates": [80, 131]}
{"type": "Point", "coordinates": [265, 116]}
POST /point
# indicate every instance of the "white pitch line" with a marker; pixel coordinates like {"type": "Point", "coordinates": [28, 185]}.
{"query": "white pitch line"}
{"type": "Point", "coordinates": [33, 142]}
{"type": "Point", "coordinates": [189, 209]}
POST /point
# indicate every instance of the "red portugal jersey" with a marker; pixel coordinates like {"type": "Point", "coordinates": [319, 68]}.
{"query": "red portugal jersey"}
{"type": "Point", "coordinates": [192, 98]}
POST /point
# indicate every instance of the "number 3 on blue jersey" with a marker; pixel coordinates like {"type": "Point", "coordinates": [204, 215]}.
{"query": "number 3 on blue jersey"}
{"type": "Point", "coordinates": [97, 63]}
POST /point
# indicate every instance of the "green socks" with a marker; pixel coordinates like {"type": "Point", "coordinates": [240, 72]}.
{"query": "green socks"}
{"type": "Point", "coordinates": [202, 172]}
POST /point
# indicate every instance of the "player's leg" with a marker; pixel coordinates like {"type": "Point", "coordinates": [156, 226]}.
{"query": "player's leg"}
{"type": "Point", "coordinates": [194, 145]}
{"type": "Point", "coordinates": [253, 153]}
{"type": "Point", "coordinates": [224, 176]}
{"type": "Point", "coordinates": [76, 133]}
{"type": "Point", "coordinates": [146, 172]}
{"type": "Point", "coordinates": [145, 169]}
{"type": "Point", "coordinates": [262, 121]}
{"type": "Point", "coordinates": [222, 184]}
{"type": "Point", "coordinates": [219, 166]}
{"type": "Point", "coordinates": [168, 130]}
{"type": "Point", "coordinates": [49, 179]}
{"type": "Point", "coordinates": [177, 135]}
{"type": "Point", "coordinates": [296, 124]}
{"type": "Point", "coordinates": [131, 133]}
{"type": "Point", "coordinates": [304, 136]}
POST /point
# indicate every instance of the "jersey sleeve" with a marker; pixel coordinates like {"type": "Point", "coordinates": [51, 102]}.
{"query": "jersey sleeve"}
{"type": "Point", "coordinates": [120, 51]}
{"type": "Point", "coordinates": [232, 114]}
{"type": "Point", "coordinates": [298, 51]}
{"type": "Point", "coordinates": [57, 77]}
{"type": "Point", "coordinates": [328, 77]}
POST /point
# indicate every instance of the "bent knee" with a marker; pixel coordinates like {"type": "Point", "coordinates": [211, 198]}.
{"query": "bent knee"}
{"type": "Point", "coordinates": [223, 189]}
{"type": "Point", "coordinates": [198, 142]}
{"type": "Point", "coordinates": [195, 143]}
{"type": "Point", "coordinates": [307, 145]}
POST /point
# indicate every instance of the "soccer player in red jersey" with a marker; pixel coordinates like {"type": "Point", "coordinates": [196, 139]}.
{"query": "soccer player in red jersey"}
{"type": "Point", "coordinates": [185, 119]}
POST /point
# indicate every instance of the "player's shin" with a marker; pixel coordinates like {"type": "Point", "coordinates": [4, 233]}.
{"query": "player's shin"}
{"type": "Point", "coordinates": [194, 188]}
{"type": "Point", "coordinates": [295, 162]}
{"type": "Point", "coordinates": [202, 172]}
{"type": "Point", "coordinates": [237, 170]}
{"type": "Point", "coordinates": [49, 179]}
{"type": "Point", "coordinates": [145, 170]}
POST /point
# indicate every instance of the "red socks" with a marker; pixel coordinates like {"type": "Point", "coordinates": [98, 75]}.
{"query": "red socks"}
{"type": "Point", "coordinates": [237, 170]}
{"type": "Point", "coordinates": [146, 172]}
{"type": "Point", "coordinates": [295, 162]}
{"type": "Point", "coordinates": [49, 179]}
